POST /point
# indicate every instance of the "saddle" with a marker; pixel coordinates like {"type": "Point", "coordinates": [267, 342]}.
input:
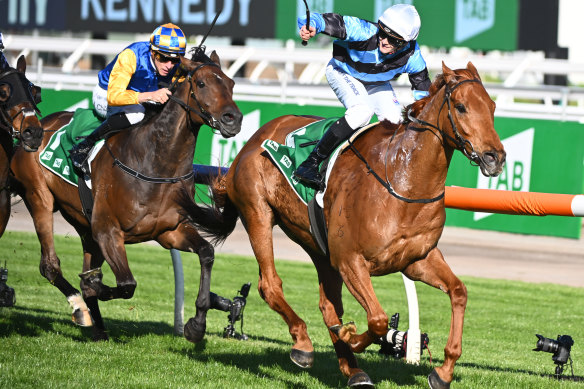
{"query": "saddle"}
{"type": "Point", "coordinates": [287, 157]}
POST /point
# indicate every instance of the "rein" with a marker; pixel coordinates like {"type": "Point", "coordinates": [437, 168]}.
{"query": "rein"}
{"type": "Point", "coordinates": [459, 141]}
{"type": "Point", "coordinates": [387, 184]}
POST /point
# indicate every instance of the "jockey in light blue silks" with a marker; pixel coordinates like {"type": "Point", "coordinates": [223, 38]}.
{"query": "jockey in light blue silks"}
{"type": "Point", "coordinates": [366, 57]}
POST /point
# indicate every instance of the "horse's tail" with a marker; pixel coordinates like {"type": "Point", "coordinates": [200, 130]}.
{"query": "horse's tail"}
{"type": "Point", "coordinates": [214, 221]}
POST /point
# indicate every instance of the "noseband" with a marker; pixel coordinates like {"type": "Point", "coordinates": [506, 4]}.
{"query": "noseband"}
{"type": "Point", "coordinates": [462, 144]}
{"type": "Point", "coordinates": [13, 79]}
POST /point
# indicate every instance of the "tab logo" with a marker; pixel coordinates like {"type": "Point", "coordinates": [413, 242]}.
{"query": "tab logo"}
{"type": "Point", "coordinates": [517, 171]}
{"type": "Point", "coordinates": [224, 151]}
{"type": "Point", "coordinates": [472, 18]}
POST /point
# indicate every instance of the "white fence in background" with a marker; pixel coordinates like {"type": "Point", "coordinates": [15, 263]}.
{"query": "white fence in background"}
{"type": "Point", "coordinates": [294, 74]}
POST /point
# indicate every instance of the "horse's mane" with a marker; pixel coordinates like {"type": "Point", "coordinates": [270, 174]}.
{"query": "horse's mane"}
{"type": "Point", "coordinates": [417, 106]}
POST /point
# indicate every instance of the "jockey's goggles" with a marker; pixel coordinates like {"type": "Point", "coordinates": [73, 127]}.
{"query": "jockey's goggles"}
{"type": "Point", "coordinates": [165, 59]}
{"type": "Point", "coordinates": [392, 37]}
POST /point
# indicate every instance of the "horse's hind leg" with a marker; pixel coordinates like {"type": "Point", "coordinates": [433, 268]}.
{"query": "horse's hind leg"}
{"type": "Point", "coordinates": [40, 206]}
{"type": "Point", "coordinates": [259, 228]}
{"type": "Point", "coordinates": [331, 306]}
{"type": "Point", "coordinates": [434, 271]}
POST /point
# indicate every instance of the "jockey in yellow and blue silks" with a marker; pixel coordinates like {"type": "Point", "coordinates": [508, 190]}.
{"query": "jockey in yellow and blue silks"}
{"type": "Point", "coordinates": [131, 79]}
{"type": "Point", "coordinates": [366, 57]}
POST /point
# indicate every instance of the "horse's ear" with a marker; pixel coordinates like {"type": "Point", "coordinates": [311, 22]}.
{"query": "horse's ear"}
{"type": "Point", "coordinates": [215, 58]}
{"type": "Point", "coordinates": [21, 64]}
{"type": "Point", "coordinates": [447, 73]}
{"type": "Point", "coordinates": [473, 70]}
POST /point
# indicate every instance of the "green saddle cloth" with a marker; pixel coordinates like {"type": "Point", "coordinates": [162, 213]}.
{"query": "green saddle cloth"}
{"type": "Point", "coordinates": [55, 156]}
{"type": "Point", "coordinates": [299, 143]}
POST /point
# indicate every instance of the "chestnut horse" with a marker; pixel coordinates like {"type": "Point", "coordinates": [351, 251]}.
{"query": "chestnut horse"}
{"type": "Point", "coordinates": [137, 180]}
{"type": "Point", "coordinates": [384, 210]}
{"type": "Point", "coordinates": [18, 120]}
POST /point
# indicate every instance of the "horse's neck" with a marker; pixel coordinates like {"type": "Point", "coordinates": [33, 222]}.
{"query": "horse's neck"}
{"type": "Point", "coordinates": [167, 140]}
{"type": "Point", "coordinates": [420, 158]}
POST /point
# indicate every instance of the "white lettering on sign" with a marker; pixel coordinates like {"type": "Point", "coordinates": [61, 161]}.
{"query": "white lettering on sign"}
{"type": "Point", "coordinates": [179, 11]}
{"type": "Point", "coordinates": [25, 10]}
{"type": "Point", "coordinates": [224, 151]}
{"type": "Point", "coordinates": [516, 174]}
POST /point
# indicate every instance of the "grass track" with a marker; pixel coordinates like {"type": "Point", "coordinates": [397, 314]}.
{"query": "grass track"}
{"type": "Point", "coordinates": [41, 348]}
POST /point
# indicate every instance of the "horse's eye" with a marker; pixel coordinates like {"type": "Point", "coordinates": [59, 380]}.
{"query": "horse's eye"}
{"type": "Point", "coordinates": [200, 84]}
{"type": "Point", "coordinates": [460, 108]}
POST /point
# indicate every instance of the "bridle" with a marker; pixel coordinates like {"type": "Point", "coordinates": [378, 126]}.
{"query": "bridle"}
{"type": "Point", "coordinates": [14, 78]}
{"type": "Point", "coordinates": [201, 112]}
{"type": "Point", "coordinates": [464, 145]}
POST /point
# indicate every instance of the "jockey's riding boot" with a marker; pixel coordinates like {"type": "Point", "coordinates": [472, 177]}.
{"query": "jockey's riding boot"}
{"type": "Point", "coordinates": [79, 152]}
{"type": "Point", "coordinates": [308, 171]}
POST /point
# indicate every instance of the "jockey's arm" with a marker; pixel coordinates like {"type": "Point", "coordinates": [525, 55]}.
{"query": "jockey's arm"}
{"type": "Point", "coordinates": [418, 75]}
{"type": "Point", "coordinates": [122, 72]}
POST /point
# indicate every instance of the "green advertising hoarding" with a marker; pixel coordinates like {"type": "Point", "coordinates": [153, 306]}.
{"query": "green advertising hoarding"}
{"type": "Point", "coordinates": [476, 24]}
{"type": "Point", "coordinates": [542, 156]}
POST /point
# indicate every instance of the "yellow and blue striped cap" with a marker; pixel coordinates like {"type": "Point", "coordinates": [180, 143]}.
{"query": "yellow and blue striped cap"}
{"type": "Point", "coordinates": [169, 39]}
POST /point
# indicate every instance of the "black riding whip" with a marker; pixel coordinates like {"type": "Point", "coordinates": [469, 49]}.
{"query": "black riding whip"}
{"type": "Point", "coordinates": [304, 43]}
{"type": "Point", "coordinates": [201, 49]}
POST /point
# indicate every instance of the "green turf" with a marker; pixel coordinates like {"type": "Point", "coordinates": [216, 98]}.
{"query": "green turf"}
{"type": "Point", "coordinates": [42, 348]}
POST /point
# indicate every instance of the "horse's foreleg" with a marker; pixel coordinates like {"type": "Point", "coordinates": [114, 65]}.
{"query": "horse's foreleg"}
{"type": "Point", "coordinates": [259, 228]}
{"type": "Point", "coordinates": [186, 238]}
{"type": "Point", "coordinates": [434, 271]}
{"type": "Point", "coordinates": [91, 284]}
{"type": "Point", "coordinates": [111, 244]}
{"type": "Point", "coordinates": [358, 281]}
{"type": "Point", "coordinates": [331, 306]}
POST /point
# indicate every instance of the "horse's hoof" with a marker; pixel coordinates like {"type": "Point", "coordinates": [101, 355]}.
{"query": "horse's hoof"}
{"type": "Point", "coordinates": [82, 318]}
{"type": "Point", "coordinates": [193, 331]}
{"type": "Point", "coordinates": [304, 359]}
{"type": "Point", "coordinates": [360, 380]}
{"type": "Point", "coordinates": [436, 382]}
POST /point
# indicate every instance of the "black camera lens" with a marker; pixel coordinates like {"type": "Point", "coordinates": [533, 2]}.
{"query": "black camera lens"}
{"type": "Point", "coordinates": [546, 345]}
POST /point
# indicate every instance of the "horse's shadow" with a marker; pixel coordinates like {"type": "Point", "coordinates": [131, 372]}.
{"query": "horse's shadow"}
{"type": "Point", "coordinates": [33, 322]}
{"type": "Point", "coordinates": [325, 369]}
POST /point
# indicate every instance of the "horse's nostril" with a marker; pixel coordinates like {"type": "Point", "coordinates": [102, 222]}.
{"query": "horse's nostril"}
{"type": "Point", "coordinates": [490, 158]}
{"type": "Point", "coordinates": [227, 118]}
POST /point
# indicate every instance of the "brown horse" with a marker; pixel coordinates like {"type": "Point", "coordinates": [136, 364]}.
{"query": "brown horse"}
{"type": "Point", "coordinates": [18, 120]}
{"type": "Point", "coordinates": [376, 225]}
{"type": "Point", "coordinates": [136, 182]}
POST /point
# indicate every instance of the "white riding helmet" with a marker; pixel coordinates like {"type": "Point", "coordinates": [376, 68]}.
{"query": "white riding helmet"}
{"type": "Point", "coordinates": [401, 19]}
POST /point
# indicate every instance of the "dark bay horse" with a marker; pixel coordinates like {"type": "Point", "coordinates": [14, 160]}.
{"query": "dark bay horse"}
{"type": "Point", "coordinates": [137, 206]}
{"type": "Point", "coordinates": [18, 120]}
{"type": "Point", "coordinates": [384, 210]}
